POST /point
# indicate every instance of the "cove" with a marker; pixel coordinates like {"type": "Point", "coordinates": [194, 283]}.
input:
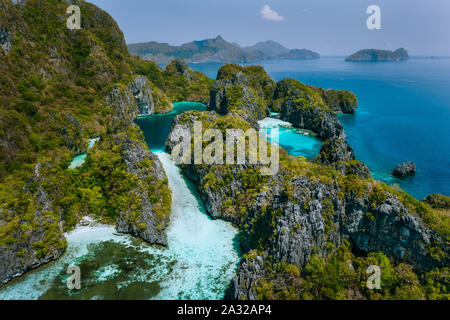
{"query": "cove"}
{"type": "Point", "coordinates": [297, 142]}
{"type": "Point", "coordinates": [157, 127]}
{"type": "Point", "coordinates": [199, 262]}
{"type": "Point", "coordinates": [80, 159]}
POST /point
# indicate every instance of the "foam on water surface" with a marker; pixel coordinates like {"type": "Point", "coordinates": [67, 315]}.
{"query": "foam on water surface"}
{"type": "Point", "coordinates": [204, 248]}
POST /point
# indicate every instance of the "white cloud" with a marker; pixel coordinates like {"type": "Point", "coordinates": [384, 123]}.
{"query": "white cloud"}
{"type": "Point", "coordinates": [269, 14]}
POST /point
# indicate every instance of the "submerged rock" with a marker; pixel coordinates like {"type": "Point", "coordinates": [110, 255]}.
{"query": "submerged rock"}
{"type": "Point", "coordinates": [404, 169]}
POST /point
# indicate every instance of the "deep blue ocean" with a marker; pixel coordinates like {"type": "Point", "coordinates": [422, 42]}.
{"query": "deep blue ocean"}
{"type": "Point", "coordinates": [403, 113]}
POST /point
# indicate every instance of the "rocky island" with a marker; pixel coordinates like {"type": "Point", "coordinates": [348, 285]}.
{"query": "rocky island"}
{"type": "Point", "coordinates": [218, 50]}
{"type": "Point", "coordinates": [375, 55]}
{"type": "Point", "coordinates": [405, 169]}
{"type": "Point", "coordinates": [309, 231]}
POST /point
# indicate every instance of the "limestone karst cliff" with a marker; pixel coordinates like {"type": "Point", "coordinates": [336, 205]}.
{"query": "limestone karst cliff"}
{"type": "Point", "coordinates": [328, 212]}
{"type": "Point", "coordinates": [60, 87]}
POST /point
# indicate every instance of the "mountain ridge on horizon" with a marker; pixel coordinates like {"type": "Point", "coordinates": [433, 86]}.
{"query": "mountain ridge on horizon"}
{"type": "Point", "coordinates": [217, 50]}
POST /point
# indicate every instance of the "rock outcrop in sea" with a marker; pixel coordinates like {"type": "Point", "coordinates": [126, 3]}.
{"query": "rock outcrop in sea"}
{"type": "Point", "coordinates": [405, 169]}
{"type": "Point", "coordinates": [375, 55]}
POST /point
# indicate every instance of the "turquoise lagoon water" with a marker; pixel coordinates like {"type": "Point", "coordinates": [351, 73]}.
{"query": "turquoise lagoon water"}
{"type": "Point", "coordinates": [157, 127]}
{"type": "Point", "coordinates": [403, 113]}
{"type": "Point", "coordinates": [296, 141]}
{"type": "Point", "coordinates": [199, 262]}
{"type": "Point", "coordinates": [80, 159]}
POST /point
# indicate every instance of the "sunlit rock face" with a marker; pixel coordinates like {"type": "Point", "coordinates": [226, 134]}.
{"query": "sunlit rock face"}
{"type": "Point", "coordinates": [5, 41]}
{"type": "Point", "coordinates": [142, 93]}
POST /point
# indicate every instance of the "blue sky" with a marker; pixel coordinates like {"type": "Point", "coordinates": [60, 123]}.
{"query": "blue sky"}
{"type": "Point", "coordinates": [326, 26]}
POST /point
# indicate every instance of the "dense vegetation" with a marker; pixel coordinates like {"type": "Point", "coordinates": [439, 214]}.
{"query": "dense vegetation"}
{"type": "Point", "coordinates": [54, 84]}
{"type": "Point", "coordinates": [258, 78]}
{"type": "Point", "coordinates": [176, 82]}
{"type": "Point", "coordinates": [245, 197]}
{"type": "Point", "coordinates": [342, 275]}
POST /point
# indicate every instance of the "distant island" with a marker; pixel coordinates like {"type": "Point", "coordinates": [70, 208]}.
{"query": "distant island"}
{"type": "Point", "coordinates": [218, 50]}
{"type": "Point", "coordinates": [379, 55]}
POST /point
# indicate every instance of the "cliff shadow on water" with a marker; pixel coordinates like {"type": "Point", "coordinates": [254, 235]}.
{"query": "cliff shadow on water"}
{"type": "Point", "coordinates": [157, 127]}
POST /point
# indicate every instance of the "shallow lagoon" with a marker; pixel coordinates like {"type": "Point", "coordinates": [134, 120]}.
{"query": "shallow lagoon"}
{"type": "Point", "coordinates": [199, 262]}
{"type": "Point", "coordinates": [202, 254]}
{"type": "Point", "coordinates": [297, 142]}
